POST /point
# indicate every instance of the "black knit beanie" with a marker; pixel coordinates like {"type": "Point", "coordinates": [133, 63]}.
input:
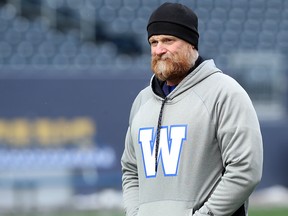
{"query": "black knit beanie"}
{"type": "Point", "coordinates": [176, 20]}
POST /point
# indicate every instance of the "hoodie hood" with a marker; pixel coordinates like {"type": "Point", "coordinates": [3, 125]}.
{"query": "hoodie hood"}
{"type": "Point", "coordinates": [204, 70]}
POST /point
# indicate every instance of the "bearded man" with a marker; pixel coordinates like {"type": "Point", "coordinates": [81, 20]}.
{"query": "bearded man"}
{"type": "Point", "coordinates": [193, 144]}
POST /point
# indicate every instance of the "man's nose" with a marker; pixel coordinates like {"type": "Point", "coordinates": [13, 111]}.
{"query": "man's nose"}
{"type": "Point", "coordinates": [160, 49]}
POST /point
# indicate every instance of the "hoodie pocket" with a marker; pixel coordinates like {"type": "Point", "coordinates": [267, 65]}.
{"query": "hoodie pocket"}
{"type": "Point", "coordinates": [167, 208]}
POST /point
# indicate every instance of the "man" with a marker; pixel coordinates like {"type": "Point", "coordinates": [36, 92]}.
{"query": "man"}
{"type": "Point", "coordinates": [193, 146]}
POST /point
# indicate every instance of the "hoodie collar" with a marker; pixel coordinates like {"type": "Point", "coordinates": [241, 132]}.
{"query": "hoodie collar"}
{"type": "Point", "coordinates": [161, 89]}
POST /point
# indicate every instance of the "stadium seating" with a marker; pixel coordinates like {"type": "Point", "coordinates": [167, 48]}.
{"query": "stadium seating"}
{"type": "Point", "coordinates": [87, 34]}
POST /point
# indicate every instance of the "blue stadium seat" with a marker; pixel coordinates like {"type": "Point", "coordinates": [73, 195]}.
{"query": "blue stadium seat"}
{"type": "Point", "coordinates": [55, 37]}
{"type": "Point", "coordinates": [282, 41]}
{"type": "Point", "coordinates": [40, 62]}
{"type": "Point", "coordinates": [152, 4]}
{"type": "Point", "coordinates": [285, 4]}
{"type": "Point", "coordinates": [284, 14]}
{"type": "Point", "coordinates": [107, 14]}
{"type": "Point", "coordinates": [107, 49]}
{"type": "Point", "coordinates": [95, 4]}
{"type": "Point", "coordinates": [252, 25]}
{"type": "Point", "coordinates": [119, 26]}
{"type": "Point", "coordinates": [25, 49]}
{"type": "Point", "coordinates": [226, 4]}
{"type": "Point", "coordinates": [203, 14]}
{"type": "Point", "coordinates": [222, 60]}
{"type": "Point", "coordinates": [113, 4]}
{"type": "Point", "coordinates": [3, 26]}
{"type": "Point", "coordinates": [220, 14]}
{"type": "Point", "coordinates": [6, 49]}
{"type": "Point", "coordinates": [237, 14]}
{"type": "Point", "coordinates": [276, 4]}
{"type": "Point", "coordinates": [33, 36]}
{"type": "Point", "coordinates": [89, 48]}
{"type": "Point", "coordinates": [132, 4]}
{"type": "Point", "coordinates": [20, 25]}
{"type": "Point", "coordinates": [207, 4]}
{"type": "Point", "coordinates": [17, 61]}
{"type": "Point", "coordinates": [272, 13]}
{"type": "Point", "coordinates": [229, 41]}
{"type": "Point", "coordinates": [283, 25]}
{"type": "Point", "coordinates": [41, 25]}
{"type": "Point", "coordinates": [258, 4]}
{"type": "Point", "coordinates": [144, 12]}
{"type": "Point", "coordinates": [124, 62]}
{"type": "Point", "coordinates": [234, 25]}
{"type": "Point", "coordinates": [210, 41]}
{"type": "Point", "coordinates": [103, 60]}
{"type": "Point", "coordinates": [267, 40]}
{"type": "Point", "coordinates": [82, 61]}
{"type": "Point", "coordinates": [208, 52]}
{"type": "Point", "coordinates": [202, 26]}
{"type": "Point", "coordinates": [8, 12]}
{"type": "Point", "coordinates": [74, 4]}
{"type": "Point", "coordinates": [61, 61]}
{"type": "Point", "coordinates": [126, 13]}
{"type": "Point", "coordinates": [216, 25]}
{"type": "Point", "coordinates": [211, 38]}
{"type": "Point", "coordinates": [69, 49]}
{"type": "Point", "coordinates": [138, 26]}
{"type": "Point", "coordinates": [55, 4]}
{"type": "Point", "coordinates": [13, 37]}
{"type": "Point", "coordinates": [270, 25]}
{"type": "Point", "coordinates": [47, 49]}
{"type": "Point", "coordinates": [189, 3]}
{"type": "Point", "coordinates": [243, 4]}
{"type": "Point", "coordinates": [256, 14]}
{"type": "Point", "coordinates": [248, 40]}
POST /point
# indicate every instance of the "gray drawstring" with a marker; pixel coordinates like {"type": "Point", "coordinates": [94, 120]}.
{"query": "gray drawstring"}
{"type": "Point", "coordinates": [158, 133]}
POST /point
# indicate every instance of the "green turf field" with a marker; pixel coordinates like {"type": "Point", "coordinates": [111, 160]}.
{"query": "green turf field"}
{"type": "Point", "coordinates": [269, 212]}
{"type": "Point", "coordinates": [252, 212]}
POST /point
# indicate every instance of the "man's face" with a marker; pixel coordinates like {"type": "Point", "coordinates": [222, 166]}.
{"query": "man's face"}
{"type": "Point", "coordinates": [171, 58]}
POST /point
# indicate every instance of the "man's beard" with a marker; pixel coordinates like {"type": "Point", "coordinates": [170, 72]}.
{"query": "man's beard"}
{"type": "Point", "coordinates": [172, 67]}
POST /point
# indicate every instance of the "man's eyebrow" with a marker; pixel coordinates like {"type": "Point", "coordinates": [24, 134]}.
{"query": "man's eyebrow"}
{"type": "Point", "coordinates": [151, 40]}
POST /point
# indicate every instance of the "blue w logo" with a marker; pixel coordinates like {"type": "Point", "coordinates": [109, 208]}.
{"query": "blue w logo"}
{"type": "Point", "coordinates": [169, 151]}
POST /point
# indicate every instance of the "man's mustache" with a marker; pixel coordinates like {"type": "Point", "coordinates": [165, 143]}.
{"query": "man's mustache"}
{"type": "Point", "coordinates": [160, 58]}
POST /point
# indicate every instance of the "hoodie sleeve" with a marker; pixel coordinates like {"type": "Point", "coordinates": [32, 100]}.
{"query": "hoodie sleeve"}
{"type": "Point", "coordinates": [130, 178]}
{"type": "Point", "coordinates": [240, 142]}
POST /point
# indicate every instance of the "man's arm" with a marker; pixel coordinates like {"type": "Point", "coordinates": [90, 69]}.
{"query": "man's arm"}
{"type": "Point", "coordinates": [130, 178]}
{"type": "Point", "coordinates": [240, 142]}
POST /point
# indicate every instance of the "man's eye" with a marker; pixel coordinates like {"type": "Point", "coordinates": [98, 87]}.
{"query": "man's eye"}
{"type": "Point", "coordinates": [153, 43]}
{"type": "Point", "coordinates": [168, 40]}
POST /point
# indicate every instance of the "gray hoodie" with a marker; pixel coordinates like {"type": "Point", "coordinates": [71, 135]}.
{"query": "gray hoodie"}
{"type": "Point", "coordinates": [210, 151]}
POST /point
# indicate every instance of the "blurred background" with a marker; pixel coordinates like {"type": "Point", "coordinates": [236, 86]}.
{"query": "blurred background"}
{"type": "Point", "coordinates": [70, 69]}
